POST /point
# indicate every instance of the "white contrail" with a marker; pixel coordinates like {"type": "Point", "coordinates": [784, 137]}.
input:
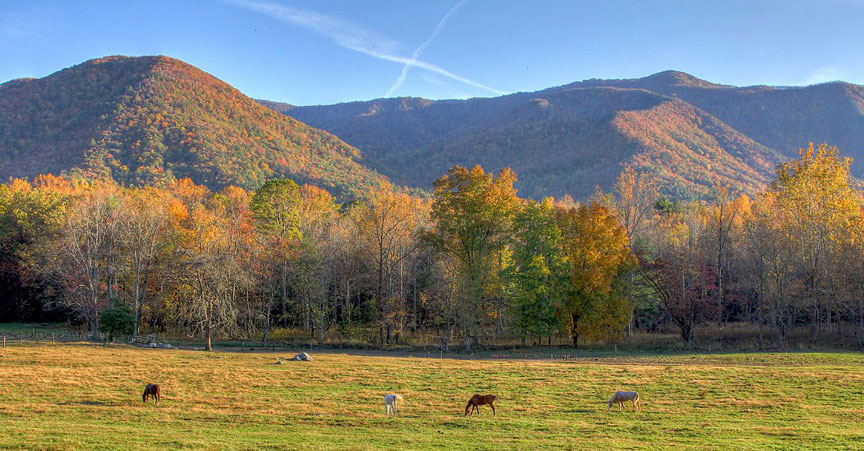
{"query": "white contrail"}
{"type": "Point", "coordinates": [350, 36]}
{"type": "Point", "coordinates": [417, 53]}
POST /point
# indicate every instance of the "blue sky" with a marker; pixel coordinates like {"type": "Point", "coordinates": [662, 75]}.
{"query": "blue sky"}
{"type": "Point", "coordinates": [311, 52]}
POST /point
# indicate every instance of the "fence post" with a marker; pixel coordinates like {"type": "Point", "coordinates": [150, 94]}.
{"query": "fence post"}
{"type": "Point", "coordinates": [52, 338]}
{"type": "Point", "coordinates": [4, 341]}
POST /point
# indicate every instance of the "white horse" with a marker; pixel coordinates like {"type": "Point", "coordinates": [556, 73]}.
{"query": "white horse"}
{"type": "Point", "coordinates": [620, 397]}
{"type": "Point", "coordinates": [391, 404]}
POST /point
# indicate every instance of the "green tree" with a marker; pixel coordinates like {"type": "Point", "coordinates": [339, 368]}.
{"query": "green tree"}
{"type": "Point", "coordinates": [537, 277]}
{"type": "Point", "coordinates": [275, 209]}
{"type": "Point", "coordinates": [117, 319]}
{"type": "Point", "coordinates": [473, 213]}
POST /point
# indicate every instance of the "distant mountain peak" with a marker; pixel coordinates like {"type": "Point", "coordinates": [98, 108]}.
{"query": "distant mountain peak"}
{"type": "Point", "coordinates": [678, 78]}
{"type": "Point", "coordinates": [661, 82]}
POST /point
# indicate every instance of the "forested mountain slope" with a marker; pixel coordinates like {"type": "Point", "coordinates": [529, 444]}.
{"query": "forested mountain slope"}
{"type": "Point", "coordinates": [691, 133]}
{"type": "Point", "coordinates": [147, 120]}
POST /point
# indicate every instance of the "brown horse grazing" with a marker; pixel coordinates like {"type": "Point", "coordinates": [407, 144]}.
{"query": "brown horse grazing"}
{"type": "Point", "coordinates": [151, 390]}
{"type": "Point", "coordinates": [478, 400]}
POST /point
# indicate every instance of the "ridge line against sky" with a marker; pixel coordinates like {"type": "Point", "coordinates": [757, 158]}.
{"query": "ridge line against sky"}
{"type": "Point", "coordinates": [309, 52]}
{"type": "Point", "coordinates": [354, 37]}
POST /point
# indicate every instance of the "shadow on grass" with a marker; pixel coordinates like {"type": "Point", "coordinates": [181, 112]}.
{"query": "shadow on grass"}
{"type": "Point", "coordinates": [85, 403]}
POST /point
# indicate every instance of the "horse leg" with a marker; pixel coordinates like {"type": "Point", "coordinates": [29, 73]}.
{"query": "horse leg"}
{"type": "Point", "coordinates": [493, 409]}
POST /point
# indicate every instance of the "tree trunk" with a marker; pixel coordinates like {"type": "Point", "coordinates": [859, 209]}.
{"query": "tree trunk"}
{"type": "Point", "coordinates": [761, 329]}
{"type": "Point", "coordinates": [208, 325]}
{"type": "Point", "coordinates": [445, 338]}
{"type": "Point", "coordinates": [574, 322]}
{"type": "Point", "coordinates": [687, 333]}
{"type": "Point", "coordinates": [209, 333]}
{"type": "Point", "coordinates": [284, 296]}
{"type": "Point", "coordinates": [323, 316]}
{"type": "Point", "coordinates": [267, 322]}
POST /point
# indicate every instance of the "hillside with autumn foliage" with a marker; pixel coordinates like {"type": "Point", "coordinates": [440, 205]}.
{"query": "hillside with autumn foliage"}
{"type": "Point", "coordinates": [693, 135]}
{"type": "Point", "coordinates": [152, 120]}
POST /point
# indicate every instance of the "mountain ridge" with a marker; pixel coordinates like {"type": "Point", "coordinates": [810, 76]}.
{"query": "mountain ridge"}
{"type": "Point", "coordinates": [148, 120]}
{"type": "Point", "coordinates": [724, 135]}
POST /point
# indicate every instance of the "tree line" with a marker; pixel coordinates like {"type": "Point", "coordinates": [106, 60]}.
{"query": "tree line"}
{"type": "Point", "coordinates": [469, 265]}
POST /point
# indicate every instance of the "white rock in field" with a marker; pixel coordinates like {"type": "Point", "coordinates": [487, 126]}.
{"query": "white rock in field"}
{"type": "Point", "coordinates": [302, 356]}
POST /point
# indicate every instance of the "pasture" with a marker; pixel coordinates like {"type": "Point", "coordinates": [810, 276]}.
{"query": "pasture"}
{"type": "Point", "coordinates": [87, 396]}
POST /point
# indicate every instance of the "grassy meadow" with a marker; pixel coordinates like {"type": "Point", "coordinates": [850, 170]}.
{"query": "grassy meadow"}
{"type": "Point", "coordinates": [87, 396]}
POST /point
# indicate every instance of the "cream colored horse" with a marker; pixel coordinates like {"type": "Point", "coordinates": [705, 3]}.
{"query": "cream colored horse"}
{"type": "Point", "coordinates": [620, 397]}
{"type": "Point", "coordinates": [391, 404]}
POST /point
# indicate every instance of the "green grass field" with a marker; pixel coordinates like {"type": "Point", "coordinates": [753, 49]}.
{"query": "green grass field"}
{"type": "Point", "coordinates": [86, 396]}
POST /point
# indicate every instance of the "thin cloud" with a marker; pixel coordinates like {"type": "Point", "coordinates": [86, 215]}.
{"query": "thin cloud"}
{"type": "Point", "coordinates": [825, 74]}
{"type": "Point", "coordinates": [350, 36]}
{"type": "Point", "coordinates": [419, 51]}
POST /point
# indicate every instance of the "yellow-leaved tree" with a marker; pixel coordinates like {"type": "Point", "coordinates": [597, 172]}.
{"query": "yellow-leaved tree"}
{"type": "Point", "coordinates": [818, 209]}
{"type": "Point", "coordinates": [598, 251]}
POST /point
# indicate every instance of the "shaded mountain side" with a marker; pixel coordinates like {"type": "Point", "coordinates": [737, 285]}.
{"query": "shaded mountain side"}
{"type": "Point", "coordinates": [786, 119]}
{"type": "Point", "coordinates": [564, 140]}
{"type": "Point", "coordinates": [148, 120]}
{"type": "Point", "coordinates": [782, 118]}
{"type": "Point", "coordinates": [693, 152]}
{"type": "Point", "coordinates": [674, 140]}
